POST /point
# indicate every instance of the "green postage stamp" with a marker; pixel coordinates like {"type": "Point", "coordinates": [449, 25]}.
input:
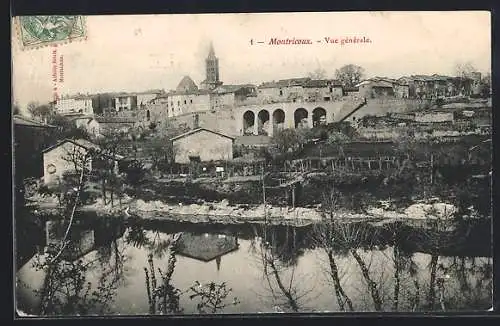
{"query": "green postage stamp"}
{"type": "Point", "coordinates": [39, 31]}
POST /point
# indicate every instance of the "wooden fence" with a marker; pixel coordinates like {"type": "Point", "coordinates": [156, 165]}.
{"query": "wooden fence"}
{"type": "Point", "coordinates": [346, 163]}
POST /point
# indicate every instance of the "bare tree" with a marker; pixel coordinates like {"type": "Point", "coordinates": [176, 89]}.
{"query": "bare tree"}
{"type": "Point", "coordinates": [348, 237]}
{"type": "Point", "coordinates": [110, 147]}
{"type": "Point", "coordinates": [279, 274]}
{"type": "Point", "coordinates": [318, 73]}
{"type": "Point", "coordinates": [324, 235]}
{"type": "Point", "coordinates": [464, 69]}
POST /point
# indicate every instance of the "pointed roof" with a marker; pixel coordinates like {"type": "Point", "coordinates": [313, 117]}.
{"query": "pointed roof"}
{"type": "Point", "coordinates": [218, 261]}
{"type": "Point", "coordinates": [79, 142]}
{"type": "Point", "coordinates": [211, 51]}
{"type": "Point", "coordinates": [23, 121]}
{"type": "Point", "coordinates": [187, 85]}
{"type": "Point", "coordinates": [83, 143]}
{"type": "Point", "coordinates": [206, 247]}
{"type": "Point", "coordinates": [190, 132]}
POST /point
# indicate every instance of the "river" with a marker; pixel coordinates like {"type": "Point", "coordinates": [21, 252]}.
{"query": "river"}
{"type": "Point", "coordinates": [255, 269]}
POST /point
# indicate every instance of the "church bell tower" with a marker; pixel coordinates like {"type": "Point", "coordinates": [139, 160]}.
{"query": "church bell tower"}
{"type": "Point", "coordinates": [212, 70]}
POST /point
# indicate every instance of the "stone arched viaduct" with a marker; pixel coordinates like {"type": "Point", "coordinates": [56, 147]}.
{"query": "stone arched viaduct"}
{"type": "Point", "coordinates": [266, 119]}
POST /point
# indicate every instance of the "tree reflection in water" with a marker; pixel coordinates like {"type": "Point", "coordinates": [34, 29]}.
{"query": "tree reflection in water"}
{"type": "Point", "coordinates": [156, 242]}
{"type": "Point", "coordinates": [67, 288]}
{"type": "Point", "coordinates": [277, 255]}
{"type": "Point", "coordinates": [164, 297]}
{"type": "Point", "coordinates": [384, 272]}
{"type": "Point", "coordinates": [406, 278]}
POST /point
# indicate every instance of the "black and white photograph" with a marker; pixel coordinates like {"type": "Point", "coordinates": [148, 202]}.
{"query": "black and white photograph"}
{"type": "Point", "coordinates": [252, 163]}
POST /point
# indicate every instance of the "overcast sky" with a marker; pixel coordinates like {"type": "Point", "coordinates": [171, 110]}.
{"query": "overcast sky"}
{"type": "Point", "coordinates": [135, 53]}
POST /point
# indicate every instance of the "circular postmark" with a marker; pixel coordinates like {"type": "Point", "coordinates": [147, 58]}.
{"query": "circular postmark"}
{"type": "Point", "coordinates": [48, 28]}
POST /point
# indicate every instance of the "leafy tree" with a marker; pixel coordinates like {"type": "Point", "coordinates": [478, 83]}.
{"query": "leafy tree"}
{"type": "Point", "coordinates": [152, 126]}
{"type": "Point", "coordinates": [41, 112]}
{"type": "Point", "coordinates": [67, 128]}
{"type": "Point", "coordinates": [349, 75]}
{"type": "Point", "coordinates": [15, 109]}
{"type": "Point", "coordinates": [162, 152]}
{"type": "Point", "coordinates": [288, 140]}
{"type": "Point", "coordinates": [212, 296]}
{"type": "Point", "coordinates": [486, 85]}
{"type": "Point", "coordinates": [134, 173]}
{"type": "Point", "coordinates": [338, 140]}
{"type": "Point", "coordinates": [406, 144]}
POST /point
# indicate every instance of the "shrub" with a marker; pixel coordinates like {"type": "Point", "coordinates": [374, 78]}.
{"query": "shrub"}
{"type": "Point", "coordinates": [134, 172]}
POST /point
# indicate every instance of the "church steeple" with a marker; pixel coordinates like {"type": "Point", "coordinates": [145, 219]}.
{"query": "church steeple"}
{"type": "Point", "coordinates": [211, 52]}
{"type": "Point", "coordinates": [212, 69]}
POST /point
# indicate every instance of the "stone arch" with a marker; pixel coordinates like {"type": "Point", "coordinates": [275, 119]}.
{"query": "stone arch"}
{"type": "Point", "coordinates": [318, 116]}
{"type": "Point", "coordinates": [278, 120]}
{"type": "Point", "coordinates": [263, 122]}
{"type": "Point", "coordinates": [248, 122]}
{"type": "Point", "coordinates": [300, 118]}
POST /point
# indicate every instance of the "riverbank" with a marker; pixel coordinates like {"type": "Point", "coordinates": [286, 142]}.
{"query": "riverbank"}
{"type": "Point", "coordinates": [416, 214]}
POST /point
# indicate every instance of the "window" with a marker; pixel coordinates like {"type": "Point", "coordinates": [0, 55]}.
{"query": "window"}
{"type": "Point", "coordinates": [185, 102]}
{"type": "Point", "coordinates": [191, 101]}
{"type": "Point", "coordinates": [178, 102]}
{"type": "Point", "coordinates": [281, 92]}
{"type": "Point", "coordinates": [51, 168]}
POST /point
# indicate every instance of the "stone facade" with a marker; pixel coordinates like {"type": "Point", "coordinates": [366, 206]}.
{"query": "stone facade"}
{"type": "Point", "coordinates": [61, 158]}
{"type": "Point", "coordinates": [76, 104]}
{"type": "Point", "coordinates": [203, 143]}
{"type": "Point", "coordinates": [57, 160]}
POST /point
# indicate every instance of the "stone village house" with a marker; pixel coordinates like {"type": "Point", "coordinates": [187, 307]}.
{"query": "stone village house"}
{"type": "Point", "coordinates": [60, 158]}
{"type": "Point", "coordinates": [375, 88]}
{"type": "Point", "coordinates": [98, 126]}
{"type": "Point", "coordinates": [74, 104]}
{"type": "Point", "coordinates": [202, 145]}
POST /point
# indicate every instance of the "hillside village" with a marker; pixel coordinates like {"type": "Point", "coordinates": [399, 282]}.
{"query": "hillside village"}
{"type": "Point", "coordinates": [280, 131]}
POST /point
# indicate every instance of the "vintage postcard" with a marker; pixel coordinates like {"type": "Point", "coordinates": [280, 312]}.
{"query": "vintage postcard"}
{"type": "Point", "coordinates": [252, 163]}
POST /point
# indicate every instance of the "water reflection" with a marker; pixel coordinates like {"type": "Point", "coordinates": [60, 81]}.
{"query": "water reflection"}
{"type": "Point", "coordinates": [136, 267]}
{"type": "Point", "coordinates": [206, 247]}
{"type": "Point", "coordinates": [63, 275]}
